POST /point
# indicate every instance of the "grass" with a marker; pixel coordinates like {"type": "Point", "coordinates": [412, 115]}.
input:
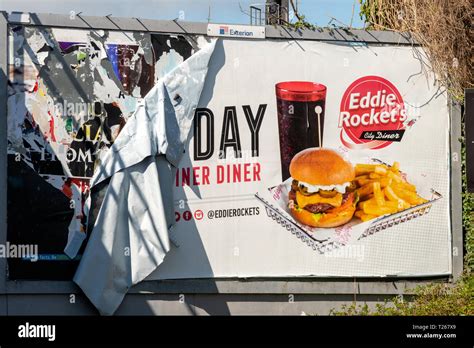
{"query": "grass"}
{"type": "Point", "coordinates": [434, 299]}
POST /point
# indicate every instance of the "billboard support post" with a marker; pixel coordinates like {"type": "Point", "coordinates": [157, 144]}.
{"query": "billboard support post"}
{"type": "Point", "coordinates": [456, 189]}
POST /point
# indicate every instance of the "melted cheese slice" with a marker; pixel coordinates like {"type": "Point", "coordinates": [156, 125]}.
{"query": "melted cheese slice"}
{"type": "Point", "coordinates": [303, 200]}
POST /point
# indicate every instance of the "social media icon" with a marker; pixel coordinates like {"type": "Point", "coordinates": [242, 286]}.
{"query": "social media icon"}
{"type": "Point", "coordinates": [198, 214]}
{"type": "Point", "coordinates": [187, 215]}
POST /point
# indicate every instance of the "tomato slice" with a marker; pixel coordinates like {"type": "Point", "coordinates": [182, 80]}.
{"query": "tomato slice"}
{"type": "Point", "coordinates": [332, 213]}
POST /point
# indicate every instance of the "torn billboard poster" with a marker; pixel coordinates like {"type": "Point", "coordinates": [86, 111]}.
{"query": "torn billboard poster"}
{"type": "Point", "coordinates": [70, 94]}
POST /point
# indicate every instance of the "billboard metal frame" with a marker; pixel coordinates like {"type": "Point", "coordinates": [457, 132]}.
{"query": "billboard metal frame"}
{"type": "Point", "coordinates": [251, 286]}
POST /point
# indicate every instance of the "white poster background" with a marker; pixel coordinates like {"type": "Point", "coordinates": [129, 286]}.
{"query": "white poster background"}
{"type": "Point", "coordinates": [245, 72]}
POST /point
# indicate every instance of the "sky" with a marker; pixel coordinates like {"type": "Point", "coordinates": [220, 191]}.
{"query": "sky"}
{"type": "Point", "coordinates": [318, 12]}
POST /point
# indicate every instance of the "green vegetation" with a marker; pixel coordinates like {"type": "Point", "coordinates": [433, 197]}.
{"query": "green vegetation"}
{"type": "Point", "coordinates": [467, 216]}
{"type": "Point", "coordinates": [433, 299]}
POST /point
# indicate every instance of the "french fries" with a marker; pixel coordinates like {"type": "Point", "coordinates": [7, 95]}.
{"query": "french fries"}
{"type": "Point", "coordinates": [366, 187]}
{"type": "Point", "coordinates": [374, 175]}
{"type": "Point", "coordinates": [378, 194]}
{"type": "Point", "coordinates": [382, 190]}
{"type": "Point", "coordinates": [362, 169]}
{"type": "Point", "coordinates": [367, 217]}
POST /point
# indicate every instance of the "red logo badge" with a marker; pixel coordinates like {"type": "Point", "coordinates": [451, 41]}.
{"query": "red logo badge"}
{"type": "Point", "coordinates": [372, 114]}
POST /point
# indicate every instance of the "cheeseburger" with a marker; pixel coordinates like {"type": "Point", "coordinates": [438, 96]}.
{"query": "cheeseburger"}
{"type": "Point", "coordinates": [322, 192]}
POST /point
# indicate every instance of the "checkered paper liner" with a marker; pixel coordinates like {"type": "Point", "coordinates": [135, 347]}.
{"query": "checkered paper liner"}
{"type": "Point", "coordinates": [326, 240]}
{"type": "Point", "coordinates": [321, 245]}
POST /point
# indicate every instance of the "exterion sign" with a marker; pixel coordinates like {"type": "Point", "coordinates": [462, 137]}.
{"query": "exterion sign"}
{"type": "Point", "coordinates": [237, 31]}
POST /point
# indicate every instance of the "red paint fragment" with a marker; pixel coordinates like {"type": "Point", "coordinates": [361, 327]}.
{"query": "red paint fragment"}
{"type": "Point", "coordinates": [51, 127]}
{"type": "Point", "coordinates": [67, 189]}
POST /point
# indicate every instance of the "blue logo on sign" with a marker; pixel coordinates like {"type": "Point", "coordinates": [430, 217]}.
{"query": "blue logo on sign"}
{"type": "Point", "coordinates": [223, 30]}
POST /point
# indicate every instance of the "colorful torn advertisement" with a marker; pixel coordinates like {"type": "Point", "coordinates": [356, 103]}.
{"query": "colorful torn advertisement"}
{"type": "Point", "coordinates": [70, 93]}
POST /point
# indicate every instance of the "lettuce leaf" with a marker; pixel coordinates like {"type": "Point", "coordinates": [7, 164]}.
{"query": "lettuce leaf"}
{"type": "Point", "coordinates": [297, 208]}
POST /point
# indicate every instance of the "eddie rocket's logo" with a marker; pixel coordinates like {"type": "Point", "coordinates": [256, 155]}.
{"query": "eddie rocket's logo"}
{"type": "Point", "coordinates": [372, 114]}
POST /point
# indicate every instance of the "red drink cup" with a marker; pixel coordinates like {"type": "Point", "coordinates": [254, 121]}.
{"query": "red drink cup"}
{"type": "Point", "coordinates": [300, 106]}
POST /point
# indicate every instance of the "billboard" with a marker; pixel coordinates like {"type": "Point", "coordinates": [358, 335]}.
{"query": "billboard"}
{"type": "Point", "coordinates": [305, 158]}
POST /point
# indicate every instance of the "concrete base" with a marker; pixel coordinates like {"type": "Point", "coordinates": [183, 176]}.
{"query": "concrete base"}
{"type": "Point", "coordinates": [187, 304]}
